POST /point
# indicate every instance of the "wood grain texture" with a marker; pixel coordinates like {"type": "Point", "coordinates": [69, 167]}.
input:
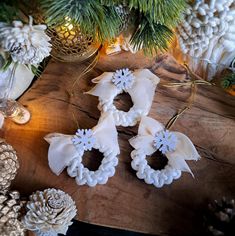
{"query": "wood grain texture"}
{"type": "Point", "coordinates": [127, 202]}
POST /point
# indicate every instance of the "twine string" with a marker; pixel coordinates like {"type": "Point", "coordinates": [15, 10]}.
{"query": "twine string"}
{"type": "Point", "coordinates": [193, 82]}
{"type": "Point", "coordinates": [84, 72]}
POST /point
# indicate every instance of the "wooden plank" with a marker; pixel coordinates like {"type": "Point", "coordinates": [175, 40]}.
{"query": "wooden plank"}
{"type": "Point", "coordinates": [127, 202]}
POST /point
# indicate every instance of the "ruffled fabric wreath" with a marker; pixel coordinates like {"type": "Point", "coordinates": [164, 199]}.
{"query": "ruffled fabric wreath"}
{"type": "Point", "coordinates": [140, 85]}
{"type": "Point", "coordinates": [176, 146]}
{"type": "Point", "coordinates": [67, 151]}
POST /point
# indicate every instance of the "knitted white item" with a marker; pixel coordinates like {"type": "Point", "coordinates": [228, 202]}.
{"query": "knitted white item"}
{"type": "Point", "coordinates": [63, 152]}
{"type": "Point", "coordinates": [142, 91]}
{"type": "Point", "coordinates": [27, 44]}
{"type": "Point", "coordinates": [207, 36]}
{"type": "Point", "coordinates": [145, 144]}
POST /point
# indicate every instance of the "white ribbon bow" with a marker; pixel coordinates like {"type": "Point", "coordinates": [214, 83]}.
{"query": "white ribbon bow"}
{"type": "Point", "coordinates": [142, 91]}
{"type": "Point", "coordinates": [184, 150]}
{"type": "Point", "coordinates": [62, 150]}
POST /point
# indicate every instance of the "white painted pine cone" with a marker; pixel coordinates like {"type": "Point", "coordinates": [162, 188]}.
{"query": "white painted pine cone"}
{"type": "Point", "coordinates": [27, 44]}
{"type": "Point", "coordinates": [50, 210]}
{"type": "Point", "coordinates": [8, 165]}
{"type": "Point", "coordinates": [10, 206]}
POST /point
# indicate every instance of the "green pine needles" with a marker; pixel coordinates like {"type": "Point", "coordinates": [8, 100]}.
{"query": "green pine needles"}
{"type": "Point", "coordinates": [154, 19]}
{"type": "Point", "coordinates": [9, 11]}
{"type": "Point", "coordinates": [93, 17]}
{"type": "Point", "coordinates": [228, 80]}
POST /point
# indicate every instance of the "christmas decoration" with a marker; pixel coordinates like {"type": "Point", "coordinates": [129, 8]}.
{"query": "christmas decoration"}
{"type": "Point", "coordinates": [8, 165]}
{"type": "Point", "coordinates": [10, 207]}
{"type": "Point", "coordinates": [62, 152]}
{"type": "Point", "coordinates": [23, 78]}
{"type": "Point", "coordinates": [49, 212]}
{"type": "Point", "coordinates": [84, 139]}
{"type": "Point", "coordinates": [146, 143]}
{"type": "Point", "coordinates": [152, 20]}
{"type": "Point", "coordinates": [27, 44]}
{"type": "Point", "coordinates": [220, 219]}
{"type": "Point", "coordinates": [123, 79]}
{"type": "Point", "coordinates": [165, 141]}
{"type": "Point", "coordinates": [69, 43]}
{"type": "Point", "coordinates": [206, 36]}
{"type": "Point", "coordinates": [141, 91]}
{"type": "Point", "coordinates": [228, 83]}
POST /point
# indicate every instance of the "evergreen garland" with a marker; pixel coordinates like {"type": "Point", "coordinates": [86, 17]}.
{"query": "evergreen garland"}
{"type": "Point", "coordinates": [228, 80]}
{"type": "Point", "coordinates": [92, 17]}
{"type": "Point", "coordinates": [154, 19]}
{"type": "Point", "coordinates": [151, 36]}
{"type": "Point", "coordinates": [9, 11]}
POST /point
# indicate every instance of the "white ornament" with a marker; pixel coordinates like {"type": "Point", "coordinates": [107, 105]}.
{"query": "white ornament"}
{"type": "Point", "coordinates": [49, 212]}
{"type": "Point", "coordinates": [63, 153]}
{"type": "Point", "coordinates": [144, 146]}
{"type": "Point", "coordinates": [27, 44]}
{"type": "Point", "coordinates": [123, 79]}
{"type": "Point", "coordinates": [84, 139]}
{"type": "Point", "coordinates": [165, 141]}
{"type": "Point", "coordinates": [141, 92]}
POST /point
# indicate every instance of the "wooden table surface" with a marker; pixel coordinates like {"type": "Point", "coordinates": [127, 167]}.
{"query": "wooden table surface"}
{"type": "Point", "coordinates": [125, 201]}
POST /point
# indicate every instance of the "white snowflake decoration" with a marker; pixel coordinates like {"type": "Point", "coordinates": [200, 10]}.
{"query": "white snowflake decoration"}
{"type": "Point", "coordinates": [123, 78]}
{"type": "Point", "coordinates": [165, 141]}
{"type": "Point", "coordinates": [84, 139]}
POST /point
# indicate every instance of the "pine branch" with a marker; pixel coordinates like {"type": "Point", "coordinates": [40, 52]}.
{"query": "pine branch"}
{"type": "Point", "coordinates": [151, 37]}
{"type": "Point", "coordinates": [228, 80]}
{"type": "Point", "coordinates": [91, 15]}
{"type": "Point", "coordinates": [9, 11]}
{"type": "Point", "coordinates": [166, 12]}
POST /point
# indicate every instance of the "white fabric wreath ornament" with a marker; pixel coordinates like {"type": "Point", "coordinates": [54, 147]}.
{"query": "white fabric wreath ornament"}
{"type": "Point", "coordinates": [67, 151]}
{"type": "Point", "coordinates": [140, 85]}
{"type": "Point", "coordinates": [27, 44]}
{"type": "Point", "coordinates": [177, 147]}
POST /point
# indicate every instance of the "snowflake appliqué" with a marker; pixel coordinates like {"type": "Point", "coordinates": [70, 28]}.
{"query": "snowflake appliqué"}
{"type": "Point", "coordinates": [165, 141]}
{"type": "Point", "coordinates": [123, 78]}
{"type": "Point", "coordinates": [84, 139]}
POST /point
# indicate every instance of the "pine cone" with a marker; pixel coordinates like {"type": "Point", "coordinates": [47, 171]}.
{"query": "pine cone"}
{"type": "Point", "coordinates": [124, 14]}
{"type": "Point", "coordinates": [49, 211]}
{"type": "Point", "coordinates": [9, 215]}
{"type": "Point", "coordinates": [8, 165]}
{"type": "Point", "coordinates": [220, 220]}
{"type": "Point", "coordinates": [27, 44]}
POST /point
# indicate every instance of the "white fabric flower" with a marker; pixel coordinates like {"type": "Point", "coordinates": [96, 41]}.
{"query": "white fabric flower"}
{"type": "Point", "coordinates": [27, 44]}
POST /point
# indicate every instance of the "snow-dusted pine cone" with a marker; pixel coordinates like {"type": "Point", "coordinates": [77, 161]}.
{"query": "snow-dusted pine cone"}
{"type": "Point", "coordinates": [50, 210]}
{"type": "Point", "coordinates": [27, 44]}
{"type": "Point", "coordinates": [10, 224]}
{"type": "Point", "coordinates": [124, 14]}
{"type": "Point", "coordinates": [220, 220]}
{"type": "Point", "coordinates": [8, 165]}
